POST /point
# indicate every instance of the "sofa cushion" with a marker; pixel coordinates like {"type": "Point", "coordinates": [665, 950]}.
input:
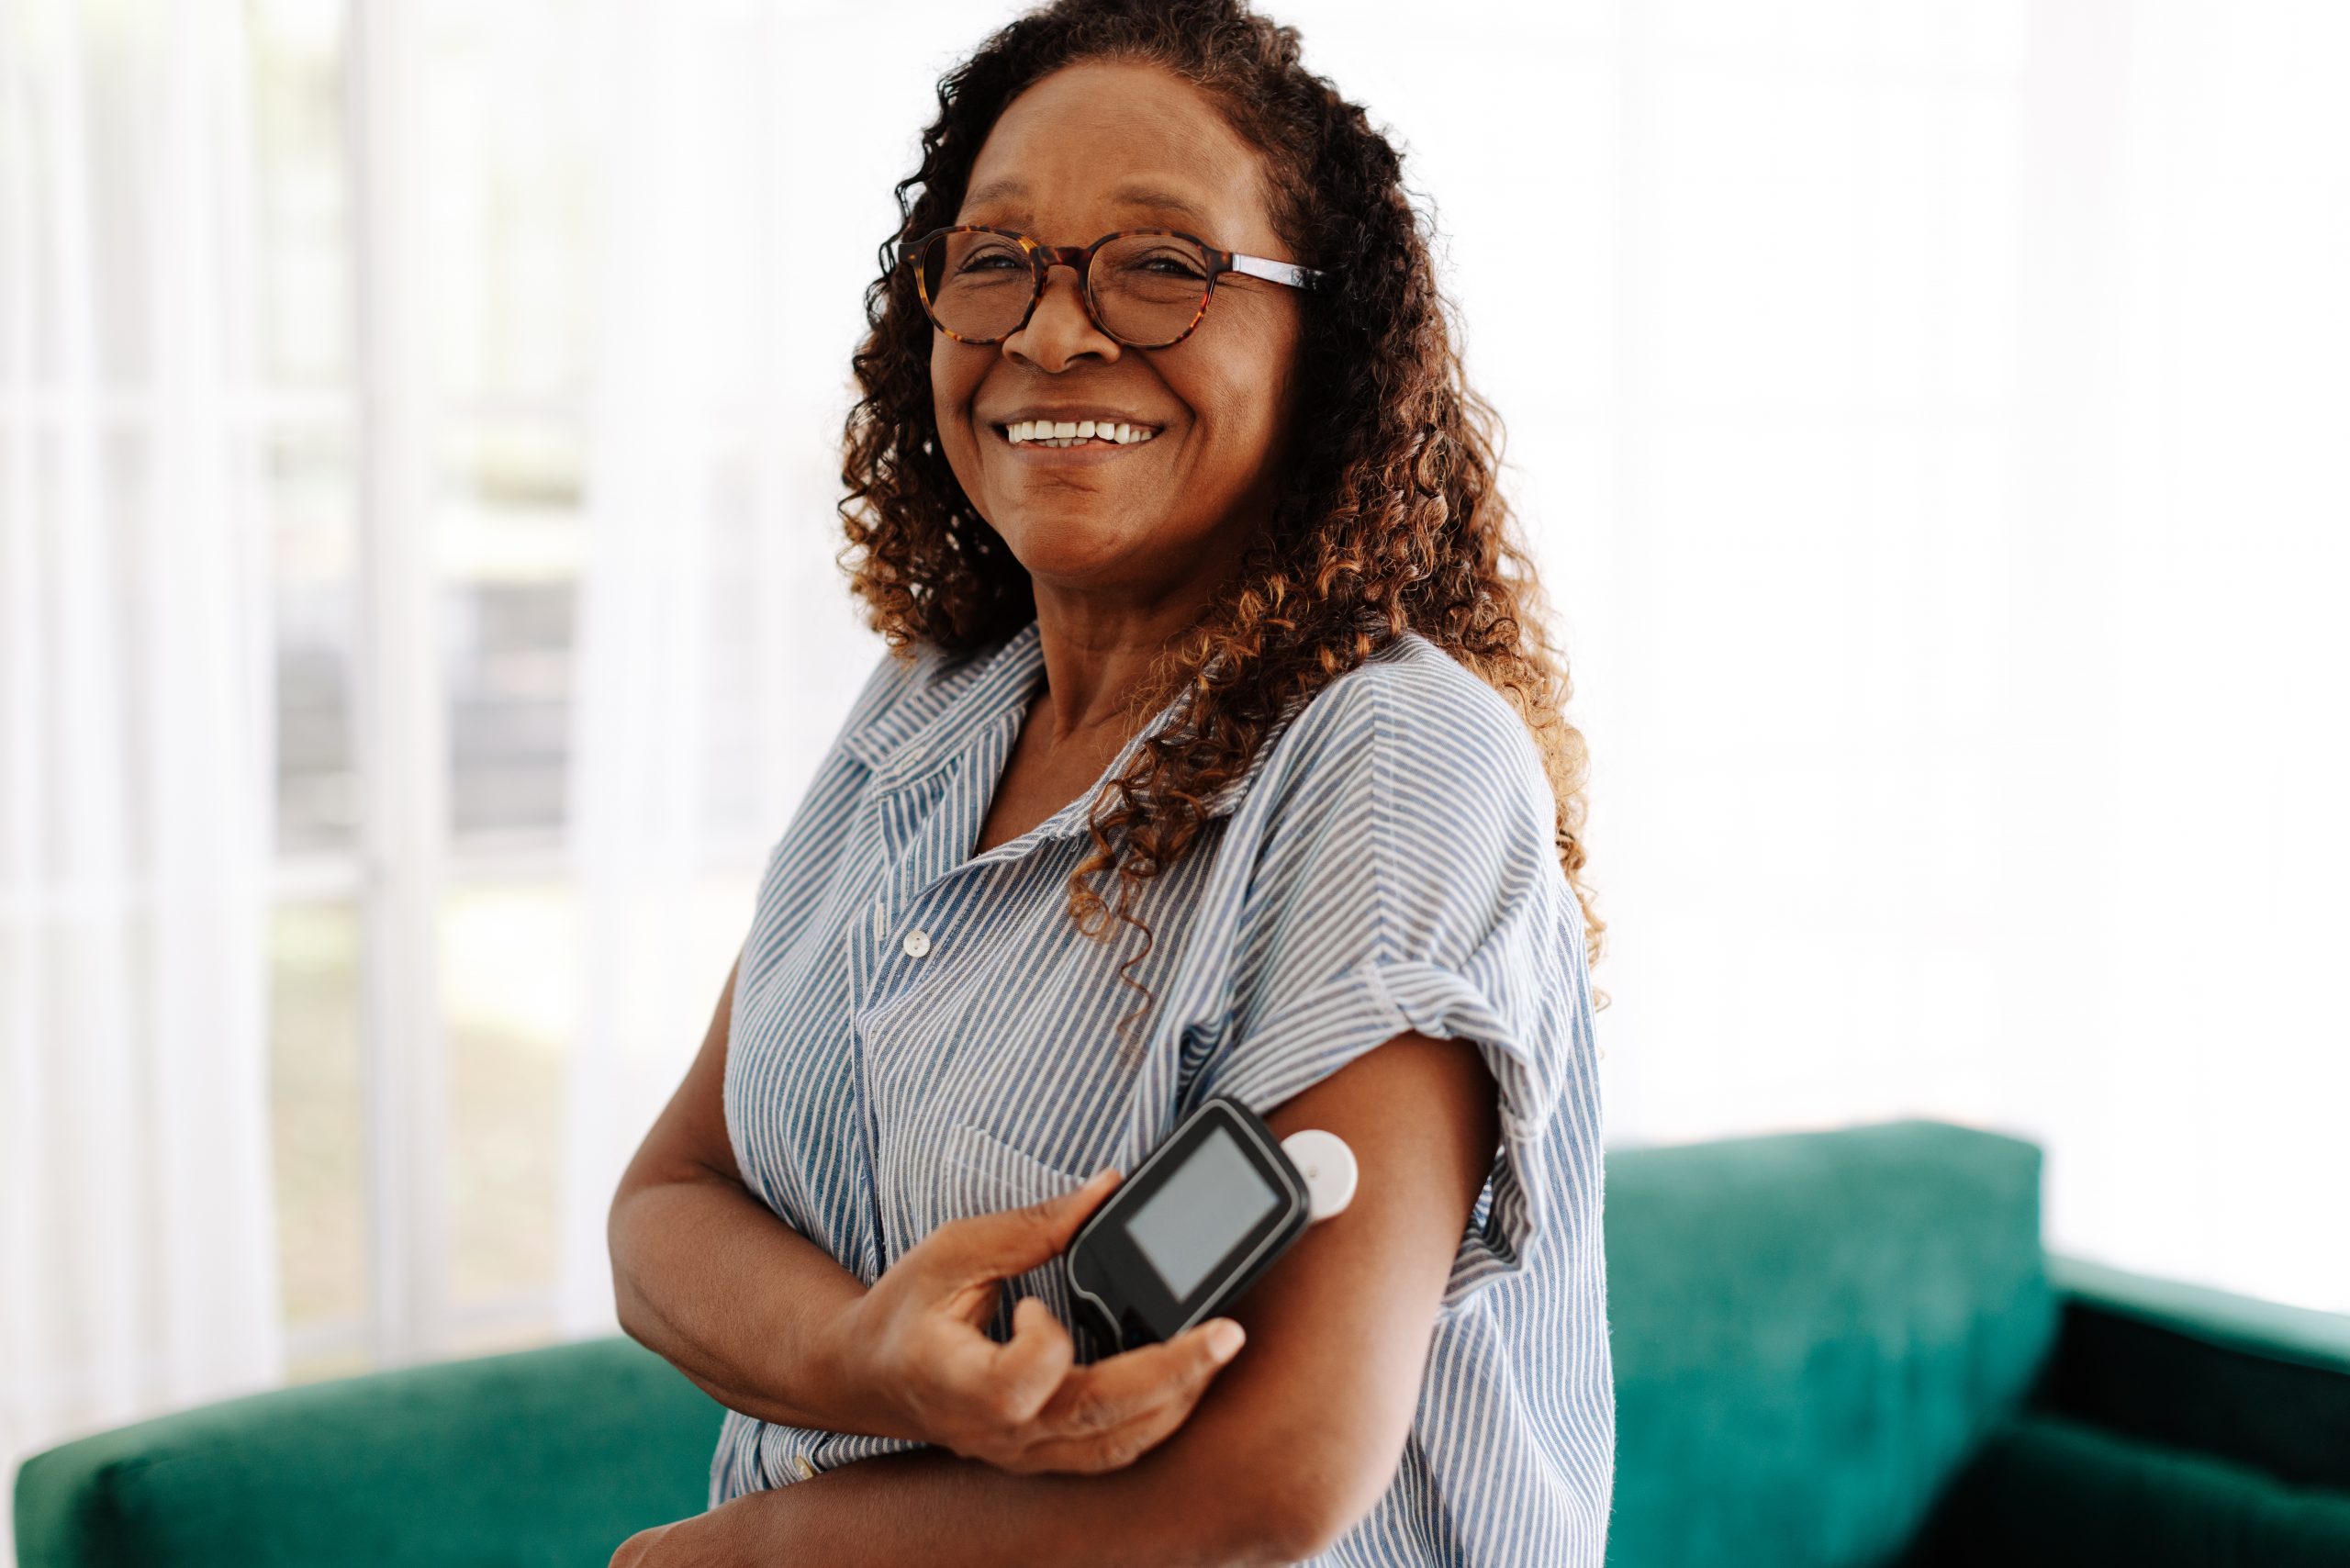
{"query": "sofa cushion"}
{"type": "Point", "coordinates": [587, 1443]}
{"type": "Point", "coordinates": [1812, 1332]}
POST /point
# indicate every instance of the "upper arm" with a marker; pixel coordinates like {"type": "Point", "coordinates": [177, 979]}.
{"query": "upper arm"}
{"type": "Point", "coordinates": [1410, 884]}
{"type": "Point", "coordinates": [1300, 1435]}
{"type": "Point", "coordinates": [1407, 974]}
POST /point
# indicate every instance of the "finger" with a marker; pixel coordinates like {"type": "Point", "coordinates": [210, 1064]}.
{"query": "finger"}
{"type": "Point", "coordinates": [1126, 1387]}
{"type": "Point", "coordinates": [972, 1370]}
{"type": "Point", "coordinates": [1113, 1449]}
{"type": "Point", "coordinates": [1149, 1424]}
{"type": "Point", "coordinates": [1012, 1241]}
{"type": "Point", "coordinates": [1030, 1366]}
{"type": "Point", "coordinates": [976, 1396]}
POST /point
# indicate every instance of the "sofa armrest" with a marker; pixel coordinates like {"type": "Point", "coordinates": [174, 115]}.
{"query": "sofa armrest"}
{"type": "Point", "coordinates": [2202, 1370]}
{"type": "Point", "coordinates": [549, 1457]}
{"type": "Point", "coordinates": [2046, 1492]}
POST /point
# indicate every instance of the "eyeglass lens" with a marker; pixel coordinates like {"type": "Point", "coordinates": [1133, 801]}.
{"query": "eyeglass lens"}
{"type": "Point", "coordinates": [1147, 288]}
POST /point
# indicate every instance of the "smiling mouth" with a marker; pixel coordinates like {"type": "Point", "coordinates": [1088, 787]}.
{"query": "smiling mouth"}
{"type": "Point", "coordinates": [1082, 432]}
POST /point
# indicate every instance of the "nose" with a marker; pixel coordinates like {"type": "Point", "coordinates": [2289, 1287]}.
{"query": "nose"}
{"type": "Point", "coordinates": [1061, 327]}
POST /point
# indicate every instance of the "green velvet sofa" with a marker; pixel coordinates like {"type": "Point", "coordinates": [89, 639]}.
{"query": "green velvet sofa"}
{"type": "Point", "coordinates": [1831, 1349]}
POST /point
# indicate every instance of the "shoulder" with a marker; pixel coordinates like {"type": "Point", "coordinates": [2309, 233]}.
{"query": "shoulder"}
{"type": "Point", "coordinates": [1421, 741]}
{"type": "Point", "coordinates": [1439, 705]}
{"type": "Point", "coordinates": [1399, 870]}
{"type": "Point", "coordinates": [1407, 815]}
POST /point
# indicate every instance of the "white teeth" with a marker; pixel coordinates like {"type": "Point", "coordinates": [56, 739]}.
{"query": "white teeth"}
{"type": "Point", "coordinates": [1064, 433]}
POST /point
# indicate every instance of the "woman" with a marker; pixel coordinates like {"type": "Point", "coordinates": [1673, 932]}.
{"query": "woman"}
{"type": "Point", "coordinates": [1195, 582]}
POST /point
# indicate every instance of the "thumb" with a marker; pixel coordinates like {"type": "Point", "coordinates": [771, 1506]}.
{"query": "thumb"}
{"type": "Point", "coordinates": [1012, 1241]}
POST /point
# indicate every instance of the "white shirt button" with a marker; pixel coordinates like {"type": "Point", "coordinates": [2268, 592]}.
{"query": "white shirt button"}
{"type": "Point", "coordinates": [909, 758]}
{"type": "Point", "coordinates": [917, 943]}
{"type": "Point", "coordinates": [799, 1463]}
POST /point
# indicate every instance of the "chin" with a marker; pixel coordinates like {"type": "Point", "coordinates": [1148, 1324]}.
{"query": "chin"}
{"type": "Point", "coordinates": [1066, 550]}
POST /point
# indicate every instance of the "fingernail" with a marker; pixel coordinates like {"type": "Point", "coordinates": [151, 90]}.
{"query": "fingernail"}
{"type": "Point", "coordinates": [1224, 1338]}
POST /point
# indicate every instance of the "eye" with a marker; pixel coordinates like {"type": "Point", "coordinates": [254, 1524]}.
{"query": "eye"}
{"type": "Point", "coordinates": [1168, 263]}
{"type": "Point", "coordinates": [993, 259]}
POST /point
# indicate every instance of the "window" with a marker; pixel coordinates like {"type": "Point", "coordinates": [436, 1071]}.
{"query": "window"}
{"type": "Point", "coordinates": [425, 433]}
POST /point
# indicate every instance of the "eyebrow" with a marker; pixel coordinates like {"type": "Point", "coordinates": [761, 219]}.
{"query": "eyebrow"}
{"type": "Point", "coordinates": [1131, 194]}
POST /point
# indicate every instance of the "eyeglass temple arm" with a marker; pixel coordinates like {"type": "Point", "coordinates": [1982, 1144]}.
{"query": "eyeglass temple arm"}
{"type": "Point", "coordinates": [1271, 271]}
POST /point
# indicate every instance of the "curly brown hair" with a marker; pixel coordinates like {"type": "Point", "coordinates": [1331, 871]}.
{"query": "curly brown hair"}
{"type": "Point", "coordinates": [1390, 519]}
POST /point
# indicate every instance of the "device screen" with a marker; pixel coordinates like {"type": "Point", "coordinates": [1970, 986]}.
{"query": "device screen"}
{"type": "Point", "coordinates": [1202, 1213]}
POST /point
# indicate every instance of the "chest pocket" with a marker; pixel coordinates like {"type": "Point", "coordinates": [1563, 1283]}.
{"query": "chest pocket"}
{"type": "Point", "coordinates": [978, 1173]}
{"type": "Point", "coordinates": [1020, 1038]}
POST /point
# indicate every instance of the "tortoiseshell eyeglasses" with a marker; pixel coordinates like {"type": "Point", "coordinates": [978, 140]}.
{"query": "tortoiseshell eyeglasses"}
{"type": "Point", "coordinates": [1146, 287]}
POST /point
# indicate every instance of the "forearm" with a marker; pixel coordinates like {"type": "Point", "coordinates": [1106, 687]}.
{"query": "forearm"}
{"type": "Point", "coordinates": [930, 1507]}
{"type": "Point", "coordinates": [708, 1278]}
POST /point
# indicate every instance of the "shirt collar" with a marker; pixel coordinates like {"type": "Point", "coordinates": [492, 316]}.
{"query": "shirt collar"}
{"type": "Point", "coordinates": [945, 711]}
{"type": "Point", "coordinates": [944, 719]}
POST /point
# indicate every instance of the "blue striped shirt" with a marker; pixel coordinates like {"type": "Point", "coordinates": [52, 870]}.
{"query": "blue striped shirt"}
{"type": "Point", "coordinates": [921, 1033]}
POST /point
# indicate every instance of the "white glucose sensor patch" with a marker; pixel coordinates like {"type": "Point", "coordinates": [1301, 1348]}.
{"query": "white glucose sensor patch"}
{"type": "Point", "coordinates": [1328, 1166]}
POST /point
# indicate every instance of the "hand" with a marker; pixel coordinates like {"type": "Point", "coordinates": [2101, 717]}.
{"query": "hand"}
{"type": "Point", "coordinates": [916, 1344]}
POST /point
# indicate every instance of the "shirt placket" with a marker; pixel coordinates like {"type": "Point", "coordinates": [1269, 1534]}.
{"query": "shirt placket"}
{"type": "Point", "coordinates": [899, 935]}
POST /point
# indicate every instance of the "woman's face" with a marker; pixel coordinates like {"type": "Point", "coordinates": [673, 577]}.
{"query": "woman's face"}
{"type": "Point", "coordinates": [1089, 149]}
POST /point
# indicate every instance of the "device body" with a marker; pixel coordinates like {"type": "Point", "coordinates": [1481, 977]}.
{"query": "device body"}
{"type": "Point", "coordinates": [1205, 1214]}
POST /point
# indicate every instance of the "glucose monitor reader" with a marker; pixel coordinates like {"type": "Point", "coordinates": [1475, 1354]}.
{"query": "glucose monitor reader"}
{"type": "Point", "coordinates": [1205, 1214]}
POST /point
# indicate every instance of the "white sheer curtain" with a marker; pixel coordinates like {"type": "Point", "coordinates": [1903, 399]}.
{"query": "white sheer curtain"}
{"type": "Point", "coordinates": [1931, 423]}
{"type": "Point", "coordinates": [717, 650]}
{"type": "Point", "coordinates": [1932, 442]}
{"type": "Point", "coordinates": [138, 1254]}
{"type": "Point", "coordinates": [1925, 412]}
